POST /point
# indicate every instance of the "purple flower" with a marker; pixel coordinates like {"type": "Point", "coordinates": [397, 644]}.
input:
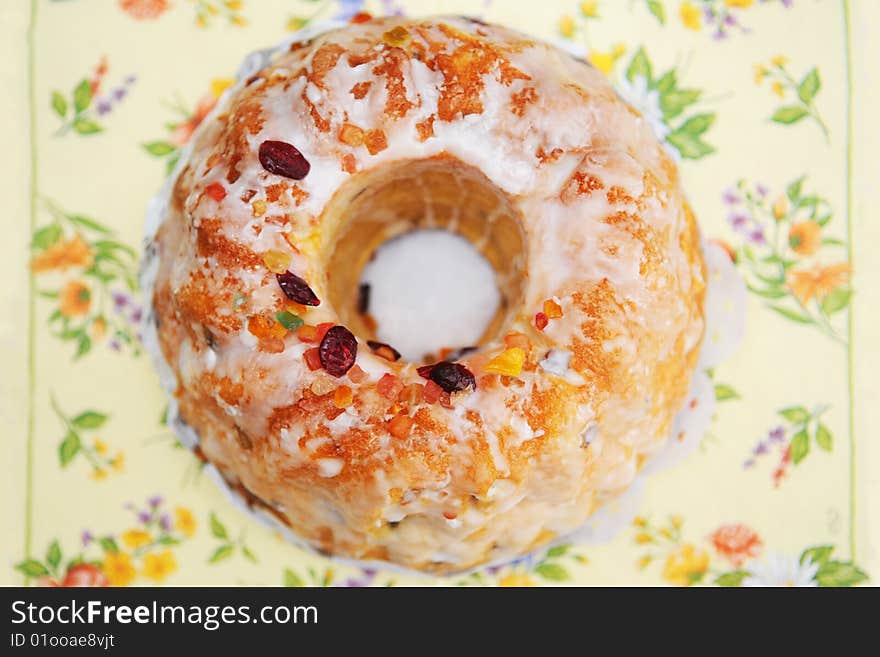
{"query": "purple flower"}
{"type": "Point", "coordinates": [761, 448]}
{"type": "Point", "coordinates": [391, 8]}
{"type": "Point", "coordinates": [730, 197]}
{"type": "Point", "coordinates": [750, 463]}
{"type": "Point", "coordinates": [730, 19]}
{"type": "Point", "coordinates": [777, 434]}
{"type": "Point", "coordinates": [103, 106]}
{"type": "Point", "coordinates": [87, 537]}
{"type": "Point", "coordinates": [738, 221]}
{"type": "Point", "coordinates": [130, 79]}
{"type": "Point", "coordinates": [114, 345]}
{"type": "Point", "coordinates": [120, 300]}
{"type": "Point", "coordinates": [757, 236]}
{"type": "Point", "coordinates": [348, 8]}
{"type": "Point", "coordinates": [787, 3]}
{"type": "Point", "coordinates": [145, 516]}
{"type": "Point", "coordinates": [119, 93]}
{"type": "Point", "coordinates": [165, 522]}
{"type": "Point", "coordinates": [708, 14]}
{"type": "Point", "coordinates": [720, 35]}
{"type": "Point", "coordinates": [762, 191]}
{"type": "Point", "coordinates": [136, 315]}
{"type": "Point", "coordinates": [155, 501]}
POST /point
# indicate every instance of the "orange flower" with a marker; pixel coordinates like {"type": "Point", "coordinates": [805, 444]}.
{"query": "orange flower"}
{"type": "Point", "coordinates": [75, 299]}
{"type": "Point", "coordinates": [819, 282]}
{"type": "Point", "coordinates": [805, 237]}
{"type": "Point", "coordinates": [62, 255]}
{"type": "Point", "coordinates": [144, 9]}
{"type": "Point", "coordinates": [184, 131]}
{"type": "Point", "coordinates": [84, 574]}
{"type": "Point", "coordinates": [736, 543]}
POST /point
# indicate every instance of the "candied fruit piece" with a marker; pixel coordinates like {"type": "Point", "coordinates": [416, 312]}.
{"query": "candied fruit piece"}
{"type": "Point", "coordinates": [452, 377]}
{"type": "Point", "coordinates": [313, 360]}
{"type": "Point", "coordinates": [432, 392]}
{"type": "Point", "coordinates": [400, 426]}
{"type": "Point", "coordinates": [351, 134]}
{"type": "Point", "coordinates": [338, 350]}
{"type": "Point", "coordinates": [540, 321]}
{"type": "Point", "coordinates": [360, 17]}
{"type": "Point", "coordinates": [296, 289]}
{"type": "Point", "coordinates": [216, 191]}
{"type": "Point", "coordinates": [356, 374]}
{"type": "Point", "coordinates": [552, 309]}
{"type": "Point", "coordinates": [509, 362]}
{"type": "Point", "coordinates": [515, 339]}
{"type": "Point", "coordinates": [322, 386]}
{"type": "Point", "coordinates": [259, 207]}
{"type": "Point", "coordinates": [342, 397]}
{"type": "Point", "coordinates": [389, 386]}
{"type": "Point", "coordinates": [375, 141]}
{"type": "Point", "coordinates": [283, 159]}
{"type": "Point", "coordinates": [411, 394]}
{"type": "Point", "coordinates": [276, 262]}
{"type": "Point", "coordinates": [397, 37]}
{"type": "Point", "coordinates": [307, 333]}
{"type": "Point", "coordinates": [288, 320]}
{"type": "Point", "coordinates": [383, 350]}
{"type": "Point", "coordinates": [264, 327]}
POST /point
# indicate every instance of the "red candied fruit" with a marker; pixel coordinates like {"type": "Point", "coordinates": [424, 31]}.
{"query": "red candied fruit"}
{"type": "Point", "coordinates": [283, 159]}
{"type": "Point", "coordinates": [313, 360]}
{"type": "Point", "coordinates": [360, 17]}
{"type": "Point", "coordinates": [389, 386]}
{"type": "Point", "coordinates": [296, 289]}
{"type": "Point", "coordinates": [452, 377]}
{"type": "Point", "coordinates": [216, 191]}
{"type": "Point", "coordinates": [338, 351]}
{"type": "Point", "coordinates": [432, 392]}
{"type": "Point", "coordinates": [540, 321]}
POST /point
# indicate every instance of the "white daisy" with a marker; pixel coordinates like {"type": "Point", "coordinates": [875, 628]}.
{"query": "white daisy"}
{"type": "Point", "coordinates": [646, 101]}
{"type": "Point", "coordinates": [782, 570]}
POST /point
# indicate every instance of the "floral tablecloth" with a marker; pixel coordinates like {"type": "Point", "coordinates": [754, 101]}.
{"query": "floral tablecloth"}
{"type": "Point", "coordinates": [768, 105]}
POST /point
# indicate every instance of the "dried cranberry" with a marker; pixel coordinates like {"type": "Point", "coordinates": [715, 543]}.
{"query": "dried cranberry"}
{"type": "Point", "coordinates": [283, 159]}
{"type": "Point", "coordinates": [338, 351]}
{"type": "Point", "coordinates": [296, 289]}
{"type": "Point", "coordinates": [384, 350]}
{"type": "Point", "coordinates": [452, 377]}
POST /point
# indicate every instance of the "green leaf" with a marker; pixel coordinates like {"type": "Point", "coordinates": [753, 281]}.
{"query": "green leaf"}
{"type": "Point", "coordinates": [836, 301]}
{"type": "Point", "coordinates": [658, 10]}
{"type": "Point", "coordinates": [733, 578]}
{"type": "Point", "coordinates": [640, 66]}
{"type": "Point", "coordinates": [250, 556]}
{"type": "Point", "coordinates": [86, 126]}
{"type": "Point", "coordinates": [800, 446]}
{"type": "Point", "coordinates": [795, 414]}
{"type": "Point", "coordinates": [823, 437]}
{"type": "Point", "coordinates": [69, 448]}
{"type": "Point", "coordinates": [793, 191]}
{"type": "Point", "coordinates": [108, 544]}
{"type": "Point", "coordinates": [789, 114]}
{"type": "Point", "coordinates": [48, 294]}
{"type": "Point", "coordinates": [111, 245]}
{"type": "Point", "coordinates": [221, 553]}
{"type": "Point", "coordinates": [724, 392]}
{"type": "Point", "coordinates": [59, 103]}
{"type": "Point", "coordinates": [688, 145]}
{"type": "Point", "coordinates": [83, 346]}
{"type": "Point", "coordinates": [217, 528]}
{"type": "Point", "coordinates": [159, 148]}
{"type": "Point", "coordinates": [833, 241]}
{"type": "Point", "coordinates": [769, 293]}
{"type": "Point", "coordinates": [557, 551]}
{"type": "Point", "coordinates": [89, 223]}
{"type": "Point", "coordinates": [666, 81]}
{"type": "Point", "coordinates": [675, 101]}
{"type": "Point", "coordinates": [168, 540]}
{"type": "Point", "coordinates": [292, 579]}
{"type": "Point", "coordinates": [840, 573]}
{"type": "Point", "coordinates": [53, 555]}
{"type": "Point", "coordinates": [818, 554]}
{"type": "Point", "coordinates": [552, 571]}
{"type": "Point", "coordinates": [32, 568]}
{"type": "Point", "coordinates": [46, 236]}
{"type": "Point", "coordinates": [288, 320]}
{"type": "Point", "coordinates": [793, 315]}
{"type": "Point", "coordinates": [89, 420]}
{"type": "Point", "coordinates": [82, 96]}
{"type": "Point", "coordinates": [698, 124]}
{"type": "Point", "coordinates": [809, 86]}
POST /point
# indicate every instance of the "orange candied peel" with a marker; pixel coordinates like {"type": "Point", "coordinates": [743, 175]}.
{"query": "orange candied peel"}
{"type": "Point", "coordinates": [276, 262]}
{"type": "Point", "coordinates": [259, 207]}
{"type": "Point", "coordinates": [516, 339]}
{"type": "Point", "coordinates": [389, 386]}
{"type": "Point", "coordinates": [552, 309]}
{"type": "Point", "coordinates": [400, 426]}
{"type": "Point", "coordinates": [356, 374]}
{"type": "Point", "coordinates": [411, 394]}
{"type": "Point", "coordinates": [396, 37]}
{"type": "Point", "coordinates": [309, 333]}
{"type": "Point", "coordinates": [432, 392]}
{"type": "Point", "coordinates": [216, 191]}
{"type": "Point", "coordinates": [313, 359]}
{"type": "Point", "coordinates": [342, 397]}
{"type": "Point", "coordinates": [264, 327]}
{"type": "Point", "coordinates": [350, 134]}
{"type": "Point", "coordinates": [509, 362]}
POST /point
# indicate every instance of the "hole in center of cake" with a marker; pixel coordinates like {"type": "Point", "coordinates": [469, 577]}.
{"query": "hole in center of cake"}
{"type": "Point", "coordinates": [426, 256]}
{"type": "Point", "coordinates": [428, 293]}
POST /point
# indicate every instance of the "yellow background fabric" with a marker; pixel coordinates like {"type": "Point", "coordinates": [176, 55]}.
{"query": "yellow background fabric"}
{"type": "Point", "coordinates": [94, 488]}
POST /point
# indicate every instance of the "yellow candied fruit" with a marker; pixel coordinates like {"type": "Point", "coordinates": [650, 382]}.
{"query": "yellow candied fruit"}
{"type": "Point", "coordinates": [276, 262]}
{"type": "Point", "coordinates": [509, 362]}
{"type": "Point", "coordinates": [552, 309]}
{"type": "Point", "coordinates": [342, 397]}
{"type": "Point", "coordinates": [259, 207]}
{"type": "Point", "coordinates": [396, 37]}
